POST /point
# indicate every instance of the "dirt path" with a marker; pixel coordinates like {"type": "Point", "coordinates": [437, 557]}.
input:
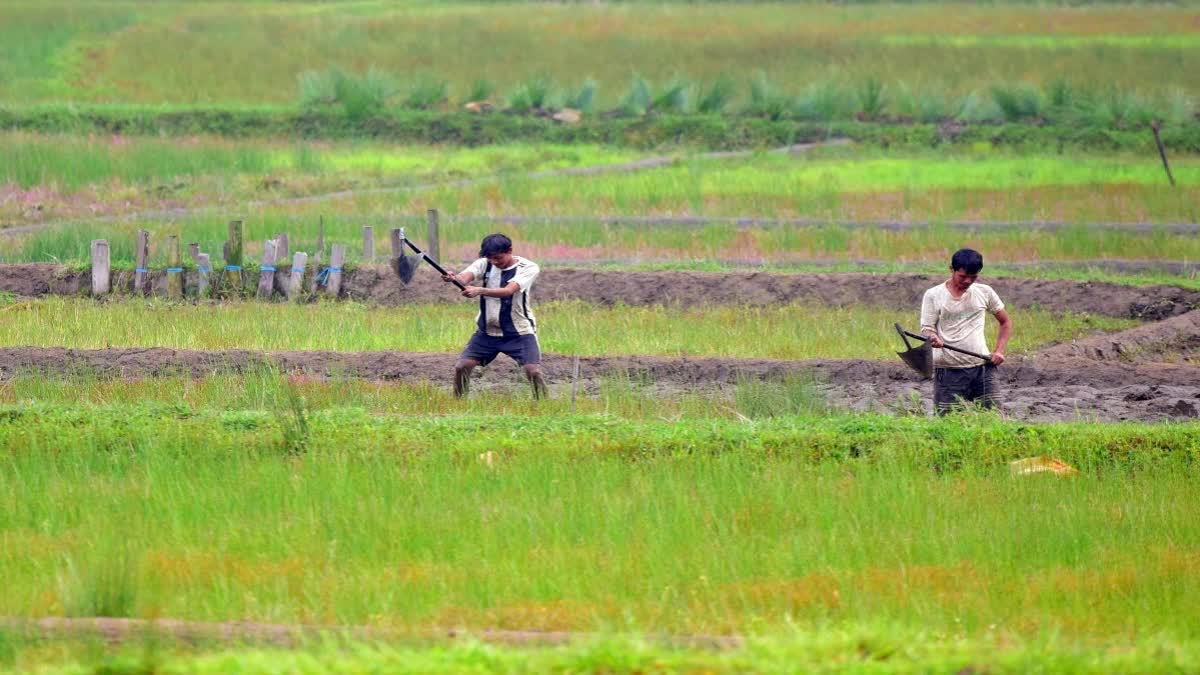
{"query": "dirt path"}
{"type": "Point", "coordinates": [378, 284]}
{"type": "Point", "coordinates": [118, 631]}
{"type": "Point", "coordinates": [887, 225]}
{"type": "Point", "coordinates": [621, 167]}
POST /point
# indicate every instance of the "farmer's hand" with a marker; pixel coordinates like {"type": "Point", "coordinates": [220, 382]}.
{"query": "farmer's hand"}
{"type": "Point", "coordinates": [472, 292]}
{"type": "Point", "coordinates": [997, 358]}
{"type": "Point", "coordinates": [449, 277]}
{"type": "Point", "coordinates": [937, 341]}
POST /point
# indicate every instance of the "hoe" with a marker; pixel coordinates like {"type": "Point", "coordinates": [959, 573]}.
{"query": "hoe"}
{"type": "Point", "coordinates": [406, 266]}
{"type": "Point", "coordinates": [920, 358]}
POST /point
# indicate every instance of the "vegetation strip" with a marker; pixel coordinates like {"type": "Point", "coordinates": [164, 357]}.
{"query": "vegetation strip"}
{"type": "Point", "coordinates": [700, 131]}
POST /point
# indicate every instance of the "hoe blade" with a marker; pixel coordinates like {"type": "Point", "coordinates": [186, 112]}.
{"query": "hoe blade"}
{"type": "Point", "coordinates": [406, 267]}
{"type": "Point", "coordinates": [919, 359]}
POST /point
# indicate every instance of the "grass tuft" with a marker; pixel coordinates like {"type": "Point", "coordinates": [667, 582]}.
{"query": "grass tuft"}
{"type": "Point", "coordinates": [794, 394]}
{"type": "Point", "coordinates": [105, 584]}
{"type": "Point", "coordinates": [715, 98]}
{"type": "Point", "coordinates": [637, 100]}
{"type": "Point", "coordinates": [583, 98]}
{"type": "Point", "coordinates": [427, 93]}
{"type": "Point", "coordinates": [1019, 102]}
{"type": "Point", "coordinates": [872, 99]}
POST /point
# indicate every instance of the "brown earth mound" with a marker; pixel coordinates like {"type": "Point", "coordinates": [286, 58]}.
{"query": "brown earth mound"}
{"type": "Point", "coordinates": [1174, 339]}
{"type": "Point", "coordinates": [380, 285]}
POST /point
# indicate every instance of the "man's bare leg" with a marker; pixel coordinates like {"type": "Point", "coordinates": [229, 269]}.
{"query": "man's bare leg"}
{"type": "Point", "coordinates": [533, 371]}
{"type": "Point", "coordinates": [462, 376]}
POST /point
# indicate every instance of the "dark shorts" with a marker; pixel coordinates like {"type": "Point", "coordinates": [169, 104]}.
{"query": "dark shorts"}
{"type": "Point", "coordinates": [484, 348]}
{"type": "Point", "coordinates": [955, 386]}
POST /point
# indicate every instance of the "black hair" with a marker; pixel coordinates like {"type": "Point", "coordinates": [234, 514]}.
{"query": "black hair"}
{"type": "Point", "coordinates": [968, 260]}
{"type": "Point", "coordinates": [494, 244]}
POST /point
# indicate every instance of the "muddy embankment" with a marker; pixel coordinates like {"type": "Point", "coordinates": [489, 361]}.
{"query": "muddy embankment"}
{"type": "Point", "coordinates": [1093, 378]}
{"type": "Point", "coordinates": [379, 285]}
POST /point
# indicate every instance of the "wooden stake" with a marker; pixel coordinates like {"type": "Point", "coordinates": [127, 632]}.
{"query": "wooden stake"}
{"type": "Point", "coordinates": [282, 246]}
{"type": "Point", "coordinates": [205, 266]}
{"type": "Point", "coordinates": [368, 243]}
{"type": "Point", "coordinates": [334, 281]}
{"type": "Point", "coordinates": [266, 278]}
{"type": "Point", "coordinates": [431, 219]}
{"type": "Point", "coordinates": [194, 252]}
{"type": "Point", "coordinates": [574, 382]}
{"type": "Point", "coordinates": [1162, 152]}
{"type": "Point", "coordinates": [174, 269]}
{"type": "Point", "coordinates": [315, 265]}
{"type": "Point", "coordinates": [141, 275]}
{"type": "Point", "coordinates": [295, 287]}
{"type": "Point", "coordinates": [101, 272]}
{"type": "Point", "coordinates": [233, 257]}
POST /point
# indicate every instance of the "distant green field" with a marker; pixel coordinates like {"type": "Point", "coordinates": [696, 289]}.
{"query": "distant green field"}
{"type": "Point", "coordinates": [276, 186]}
{"type": "Point", "coordinates": [243, 53]}
{"type": "Point", "coordinates": [69, 163]}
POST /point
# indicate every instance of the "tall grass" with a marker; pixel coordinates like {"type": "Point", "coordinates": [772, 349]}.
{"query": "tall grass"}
{"type": "Point", "coordinates": [593, 523]}
{"type": "Point", "coordinates": [238, 168]}
{"type": "Point", "coordinates": [73, 163]}
{"type": "Point", "coordinates": [292, 400]}
{"type": "Point", "coordinates": [799, 331]}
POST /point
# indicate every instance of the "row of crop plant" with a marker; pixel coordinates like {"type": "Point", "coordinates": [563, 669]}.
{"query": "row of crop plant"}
{"type": "Point", "coordinates": [367, 94]}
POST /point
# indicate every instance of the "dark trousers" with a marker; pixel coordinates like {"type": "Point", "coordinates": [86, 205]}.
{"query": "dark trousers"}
{"type": "Point", "coordinates": [956, 386]}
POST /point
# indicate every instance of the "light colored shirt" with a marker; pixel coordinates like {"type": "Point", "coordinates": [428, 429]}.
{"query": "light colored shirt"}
{"type": "Point", "coordinates": [513, 315]}
{"type": "Point", "coordinates": [959, 322]}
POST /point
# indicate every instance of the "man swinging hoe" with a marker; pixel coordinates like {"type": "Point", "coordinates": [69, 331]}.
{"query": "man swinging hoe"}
{"type": "Point", "coordinates": [505, 323]}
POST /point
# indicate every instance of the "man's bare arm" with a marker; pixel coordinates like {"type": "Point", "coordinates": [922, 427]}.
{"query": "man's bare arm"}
{"type": "Point", "coordinates": [463, 278]}
{"type": "Point", "coordinates": [1002, 339]}
{"type": "Point", "coordinates": [509, 290]}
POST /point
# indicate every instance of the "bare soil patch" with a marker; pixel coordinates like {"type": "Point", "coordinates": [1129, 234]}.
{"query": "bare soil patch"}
{"type": "Point", "coordinates": [378, 284]}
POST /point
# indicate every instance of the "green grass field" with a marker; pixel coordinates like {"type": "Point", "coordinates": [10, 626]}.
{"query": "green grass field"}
{"type": "Point", "coordinates": [246, 53]}
{"type": "Point", "coordinates": [800, 331]}
{"type": "Point", "coordinates": [256, 180]}
{"type": "Point", "coordinates": [831, 541]}
{"type": "Point", "coordinates": [73, 177]}
{"type": "Point", "coordinates": [856, 524]}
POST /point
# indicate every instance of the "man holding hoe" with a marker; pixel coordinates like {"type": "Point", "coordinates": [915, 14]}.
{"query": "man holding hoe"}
{"type": "Point", "coordinates": [952, 314]}
{"type": "Point", "coordinates": [505, 324]}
